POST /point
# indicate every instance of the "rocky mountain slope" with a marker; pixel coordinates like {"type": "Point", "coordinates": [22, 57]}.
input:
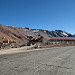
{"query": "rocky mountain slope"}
{"type": "Point", "coordinates": [74, 35]}
{"type": "Point", "coordinates": [20, 34]}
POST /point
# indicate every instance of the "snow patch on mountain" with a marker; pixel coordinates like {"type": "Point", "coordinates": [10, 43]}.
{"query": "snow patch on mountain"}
{"type": "Point", "coordinates": [65, 34]}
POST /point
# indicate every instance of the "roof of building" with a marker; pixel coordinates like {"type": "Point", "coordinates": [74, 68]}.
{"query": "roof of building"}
{"type": "Point", "coordinates": [0, 42]}
{"type": "Point", "coordinates": [62, 38]}
{"type": "Point", "coordinates": [34, 38]}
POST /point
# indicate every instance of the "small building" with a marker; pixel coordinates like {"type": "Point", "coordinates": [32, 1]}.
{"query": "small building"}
{"type": "Point", "coordinates": [7, 41]}
{"type": "Point", "coordinates": [37, 41]}
{"type": "Point", "coordinates": [62, 40]}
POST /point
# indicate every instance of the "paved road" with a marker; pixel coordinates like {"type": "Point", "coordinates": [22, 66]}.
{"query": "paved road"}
{"type": "Point", "coordinates": [55, 61]}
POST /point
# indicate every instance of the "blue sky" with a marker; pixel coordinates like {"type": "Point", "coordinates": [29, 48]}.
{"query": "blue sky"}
{"type": "Point", "coordinates": [39, 14]}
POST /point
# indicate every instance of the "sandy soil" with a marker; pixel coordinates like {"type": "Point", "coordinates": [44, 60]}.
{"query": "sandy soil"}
{"type": "Point", "coordinates": [15, 50]}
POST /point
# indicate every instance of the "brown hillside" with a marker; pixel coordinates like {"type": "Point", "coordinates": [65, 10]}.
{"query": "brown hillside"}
{"type": "Point", "coordinates": [12, 34]}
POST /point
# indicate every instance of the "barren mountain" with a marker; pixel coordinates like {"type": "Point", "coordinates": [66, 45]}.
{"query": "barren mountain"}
{"type": "Point", "coordinates": [74, 35]}
{"type": "Point", "coordinates": [11, 34]}
{"type": "Point", "coordinates": [20, 34]}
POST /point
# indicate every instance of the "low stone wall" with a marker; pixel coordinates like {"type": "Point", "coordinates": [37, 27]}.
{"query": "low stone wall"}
{"type": "Point", "coordinates": [31, 47]}
{"type": "Point", "coordinates": [59, 45]}
{"type": "Point", "coordinates": [25, 47]}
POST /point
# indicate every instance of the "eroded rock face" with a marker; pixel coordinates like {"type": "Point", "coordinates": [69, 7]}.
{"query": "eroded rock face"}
{"type": "Point", "coordinates": [19, 34]}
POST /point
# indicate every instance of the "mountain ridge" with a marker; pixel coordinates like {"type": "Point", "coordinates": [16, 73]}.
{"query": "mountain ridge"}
{"type": "Point", "coordinates": [20, 34]}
